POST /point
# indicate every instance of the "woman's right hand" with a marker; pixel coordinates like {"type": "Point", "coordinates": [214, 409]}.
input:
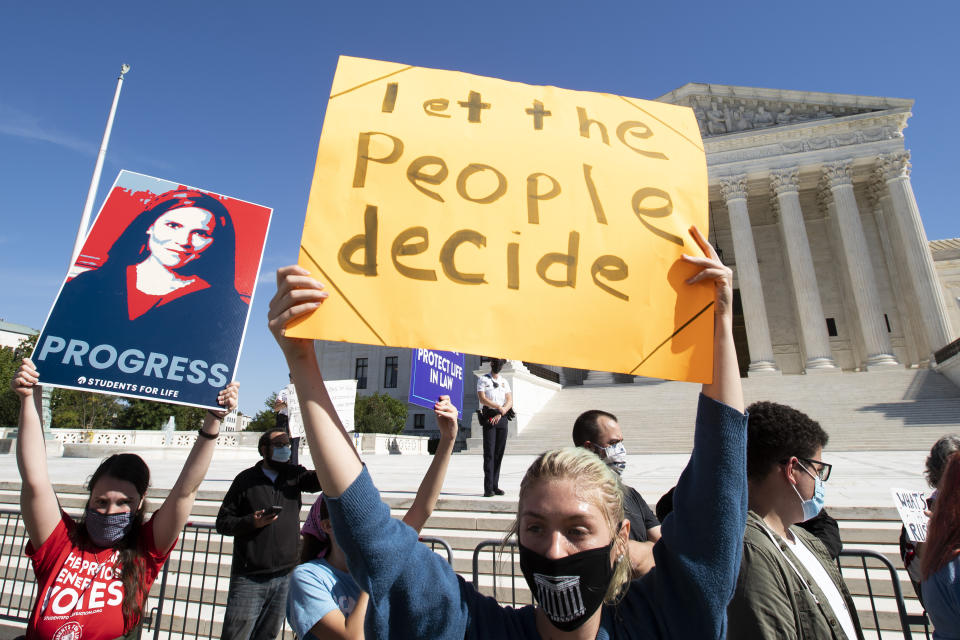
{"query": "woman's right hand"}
{"type": "Point", "coordinates": [25, 379]}
{"type": "Point", "coordinates": [297, 295]}
{"type": "Point", "coordinates": [38, 502]}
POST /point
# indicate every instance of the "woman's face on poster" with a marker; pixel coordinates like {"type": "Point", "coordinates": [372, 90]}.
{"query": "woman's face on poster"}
{"type": "Point", "coordinates": [179, 236]}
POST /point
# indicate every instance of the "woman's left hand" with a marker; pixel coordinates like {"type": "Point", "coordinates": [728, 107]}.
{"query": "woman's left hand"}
{"type": "Point", "coordinates": [228, 398]}
{"type": "Point", "coordinates": [713, 269]}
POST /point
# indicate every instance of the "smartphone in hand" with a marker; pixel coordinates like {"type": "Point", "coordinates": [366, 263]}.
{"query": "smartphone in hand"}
{"type": "Point", "coordinates": [272, 511]}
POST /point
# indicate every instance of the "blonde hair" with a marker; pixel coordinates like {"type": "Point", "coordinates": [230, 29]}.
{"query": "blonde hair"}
{"type": "Point", "coordinates": [596, 483]}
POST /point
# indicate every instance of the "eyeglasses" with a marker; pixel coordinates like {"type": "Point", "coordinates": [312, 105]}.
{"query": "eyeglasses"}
{"type": "Point", "coordinates": [822, 469]}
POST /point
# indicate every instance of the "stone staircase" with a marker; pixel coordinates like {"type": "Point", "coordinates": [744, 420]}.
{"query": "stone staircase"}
{"type": "Point", "coordinates": [463, 522]}
{"type": "Point", "coordinates": [884, 410]}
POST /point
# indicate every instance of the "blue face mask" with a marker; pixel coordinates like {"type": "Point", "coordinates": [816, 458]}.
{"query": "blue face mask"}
{"type": "Point", "coordinates": [814, 505]}
{"type": "Point", "coordinates": [281, 454]}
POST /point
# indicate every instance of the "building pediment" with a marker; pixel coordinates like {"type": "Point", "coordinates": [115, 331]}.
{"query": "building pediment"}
{"type": "Point", "coordinates": [722, 109]}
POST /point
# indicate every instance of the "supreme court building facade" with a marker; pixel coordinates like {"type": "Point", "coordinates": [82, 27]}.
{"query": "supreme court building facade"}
{"type": "Point", "coordinates": [811, 205]}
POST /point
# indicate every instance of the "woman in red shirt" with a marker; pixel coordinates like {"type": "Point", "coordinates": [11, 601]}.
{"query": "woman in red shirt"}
{"type": "Point", "coordinates": [94, 575]}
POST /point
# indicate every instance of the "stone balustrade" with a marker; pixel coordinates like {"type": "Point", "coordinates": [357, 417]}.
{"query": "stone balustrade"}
{"type": "Point", "coordinates": [99, 442]}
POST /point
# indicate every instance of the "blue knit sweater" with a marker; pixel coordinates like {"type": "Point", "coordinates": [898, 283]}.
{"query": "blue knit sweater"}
{"type": "Point", "coordinates": [414, 593]}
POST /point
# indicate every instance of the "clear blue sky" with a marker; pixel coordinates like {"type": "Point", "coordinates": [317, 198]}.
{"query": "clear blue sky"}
{"type": "Point", "coordinates": [230, 96]}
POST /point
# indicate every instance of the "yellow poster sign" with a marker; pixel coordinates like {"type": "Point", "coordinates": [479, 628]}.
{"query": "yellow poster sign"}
{"type": "Point", "coordinates": [465, 213]}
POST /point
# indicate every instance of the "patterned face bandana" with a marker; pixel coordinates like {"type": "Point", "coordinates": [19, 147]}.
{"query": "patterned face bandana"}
{"type": "Point", "coordinates": [615, 456]}
{"type": "Point", "coordinates": [312, 526]}
{"type": "Point", "coordinates": [106, 530]}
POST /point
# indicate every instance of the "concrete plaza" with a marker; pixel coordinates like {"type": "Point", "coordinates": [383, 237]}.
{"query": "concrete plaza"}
{"type": "Point", "coordinates": [860, 478]}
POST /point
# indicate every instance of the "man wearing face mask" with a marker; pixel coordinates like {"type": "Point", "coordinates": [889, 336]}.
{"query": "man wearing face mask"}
{"type": "Point", "coordinates": [262, 511]}
{"type": "Point", "coordinates": [788, 586]}
{"type": "Point", "coordinates": [600, 432]}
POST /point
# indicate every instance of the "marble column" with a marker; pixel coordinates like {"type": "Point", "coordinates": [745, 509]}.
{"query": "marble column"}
{"type": "Point", "coordinates": [863, 286]}
{"type": "Point", "coordinates": [762, 362]}
{"type": "Point", "coordinates": [903, 297]}
{"type": "Point", "coordinates": [813, 326]}
{"type": "Point", "coordinates": [895, 169]}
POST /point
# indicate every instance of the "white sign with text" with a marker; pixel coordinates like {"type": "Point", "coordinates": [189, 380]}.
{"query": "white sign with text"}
{"type": "Point", "coordinates": [343, 393]}
{"type": "Point", "coordinates": [911, 505]}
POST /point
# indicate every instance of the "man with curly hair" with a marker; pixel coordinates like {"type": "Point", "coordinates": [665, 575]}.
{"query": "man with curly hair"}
{"type": "Point", "coordinates": [788, 586]}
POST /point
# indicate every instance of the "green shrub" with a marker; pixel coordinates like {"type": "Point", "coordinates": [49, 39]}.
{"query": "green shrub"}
{"type": "Point", "coordinates": [379, 413]}
{"type": "Point", "coordinates": [265, 419]}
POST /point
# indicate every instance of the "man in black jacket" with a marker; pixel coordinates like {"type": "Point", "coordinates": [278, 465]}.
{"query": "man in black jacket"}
{"type": "Point", "coordinates": [262, 512]}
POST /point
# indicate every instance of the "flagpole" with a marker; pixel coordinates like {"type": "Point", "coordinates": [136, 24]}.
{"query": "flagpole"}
{"type": "Point", "coordinates": [95, 181]}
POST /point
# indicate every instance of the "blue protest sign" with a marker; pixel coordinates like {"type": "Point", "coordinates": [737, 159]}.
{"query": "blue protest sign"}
{"type": "Point", "coordinates": [434, 374]}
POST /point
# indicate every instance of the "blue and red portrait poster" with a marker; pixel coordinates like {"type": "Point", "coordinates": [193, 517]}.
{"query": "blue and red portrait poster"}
{"type": "Point", "coordinates": [157, 303]}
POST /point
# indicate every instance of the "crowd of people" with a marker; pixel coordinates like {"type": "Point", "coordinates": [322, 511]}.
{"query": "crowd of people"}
{"type": "Point", "coordinates": [739, 548]}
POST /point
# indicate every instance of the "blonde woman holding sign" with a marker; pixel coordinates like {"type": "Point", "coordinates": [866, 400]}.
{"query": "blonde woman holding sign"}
{"type": "Point", "coordinates": [570, 526]}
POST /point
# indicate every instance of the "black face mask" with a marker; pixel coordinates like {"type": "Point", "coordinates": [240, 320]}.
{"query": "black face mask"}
{"type": "Point", "coordinates": [571, 589]}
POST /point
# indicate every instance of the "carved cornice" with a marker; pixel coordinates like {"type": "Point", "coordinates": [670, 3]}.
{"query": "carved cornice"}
{"type": "Point", "coordinates": [733, 187]}
{"type": "Point", "coordinates": [719, 115]}
{"type": "Point", "coordinates": [692, 90]}
{"type": "Point", "coordinates": [893, 165]}
{"type": "Point", "coordinates": [836, 174]}
{"type": "Point", "coordinates": [785, 180]}
{"type": "Point", "coordinates": [825, 134]}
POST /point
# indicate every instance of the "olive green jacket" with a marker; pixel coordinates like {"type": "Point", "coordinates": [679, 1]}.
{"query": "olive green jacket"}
{"type": "Point", "coordinates": [772, 602]}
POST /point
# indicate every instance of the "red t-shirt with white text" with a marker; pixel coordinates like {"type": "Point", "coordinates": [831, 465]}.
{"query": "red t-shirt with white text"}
{"type": "Point", "coordinates": [81, 591]}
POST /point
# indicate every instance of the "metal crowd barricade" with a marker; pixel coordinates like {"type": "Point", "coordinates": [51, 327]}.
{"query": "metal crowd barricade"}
{"type": "Point", "coordinates": [435, 543]}
{"type": "Point", "coordinates": [906, 620]}
{"type": "Point", "coordinates": [497, 549]}
{"type": "Point", "coordinates": [188, 599]}
{"type": "Point", "coordinates": [191, 597]}
{"type": "Point", "coordinates": [194, 584]}
{"type": "Point", "coordinates": [18, 587]}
